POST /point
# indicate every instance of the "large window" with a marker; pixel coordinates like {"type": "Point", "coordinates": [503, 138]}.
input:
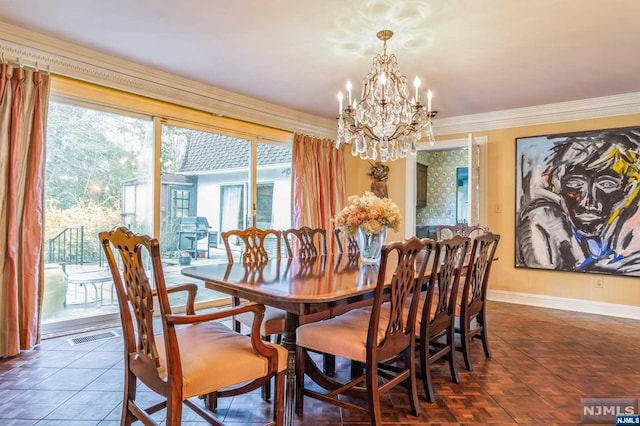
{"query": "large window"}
{"type": "Point", "coordinates": [92, 159]}
{"type": "Point", "coordinates": [226, 190]}
{"type": "Point", "coordinates": [180, 201]}
{"type": "Point", "coordinates": [115, 159]}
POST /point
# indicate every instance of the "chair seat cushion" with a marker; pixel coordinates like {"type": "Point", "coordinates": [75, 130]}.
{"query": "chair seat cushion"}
{"type": "Point", "coordinates": [344, 335]}
{"type": "Point", "coordinates": [272, 323]}
{"type": "Point", "coordinates": [214, 357]}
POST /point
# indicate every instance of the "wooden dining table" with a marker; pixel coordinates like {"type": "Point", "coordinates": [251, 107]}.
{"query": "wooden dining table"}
{"type": "Point", "coordinates": [304, 288]}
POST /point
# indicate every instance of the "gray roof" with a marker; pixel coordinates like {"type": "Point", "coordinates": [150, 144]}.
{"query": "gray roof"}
{"type": "Point", "coordinates": [210, 151]}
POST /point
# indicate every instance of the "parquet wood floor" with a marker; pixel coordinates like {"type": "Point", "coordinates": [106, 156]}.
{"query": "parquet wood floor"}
{"type": "Point", "coordinates": [544, 361]}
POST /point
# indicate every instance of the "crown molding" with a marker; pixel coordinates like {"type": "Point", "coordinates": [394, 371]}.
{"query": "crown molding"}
{"type": "Point", "coordinates": [70, 60]}
{"type": "Point", "coordinates": [585, 109]}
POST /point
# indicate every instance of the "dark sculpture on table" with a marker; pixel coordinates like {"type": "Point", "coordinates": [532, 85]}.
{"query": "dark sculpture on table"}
{"type": "Point", "coordinates": [379, 174]}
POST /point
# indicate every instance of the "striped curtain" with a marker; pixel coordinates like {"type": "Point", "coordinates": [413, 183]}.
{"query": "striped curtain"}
{"type": "Point", "coordinates": [24, 99]}
{"type": "Point", "coordinates": [318, 183]}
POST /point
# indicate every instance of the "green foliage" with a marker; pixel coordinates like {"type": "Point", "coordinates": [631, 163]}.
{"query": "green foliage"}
{"type": "Point", "coordinates": [90, 153]}
{"type": "Point", "coordinates": [93, 217]}
{"type": "Point", "coordinates": [174, 145]}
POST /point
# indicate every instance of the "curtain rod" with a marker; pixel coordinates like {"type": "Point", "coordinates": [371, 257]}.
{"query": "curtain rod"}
{"type": "Point", "coordinates": [17, 61]}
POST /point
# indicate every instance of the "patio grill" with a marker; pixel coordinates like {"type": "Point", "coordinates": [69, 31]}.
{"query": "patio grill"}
{"type": "Point", "coordinates": [190, 230]}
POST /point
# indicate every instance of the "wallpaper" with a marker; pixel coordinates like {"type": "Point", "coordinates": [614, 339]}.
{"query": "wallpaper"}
{"type": "Point", "coordinates": [441, 186]}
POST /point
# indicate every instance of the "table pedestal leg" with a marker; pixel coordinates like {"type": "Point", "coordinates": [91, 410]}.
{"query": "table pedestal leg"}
{"type": "Point", "coordinates": [289, 342]}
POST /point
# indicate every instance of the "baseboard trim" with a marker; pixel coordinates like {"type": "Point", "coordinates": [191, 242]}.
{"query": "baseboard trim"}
{"type": "Point", "coordinates": [567, 304]}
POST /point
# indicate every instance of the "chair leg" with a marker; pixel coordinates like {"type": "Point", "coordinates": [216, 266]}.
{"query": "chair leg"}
{"type": "Point", "coordinates": [357, 369]}
{"type": "Point", "coordinates": [130, 387]}
{"type": "Point", "coordinates": [485, 339]}
{"type": "Point", "coordinates": [278, 399]}
{"type": "Point", "coordinates": [211, 401]}
{"type": "Point", "coordinates": [465, 342]}
{"type": "Point", "coordinates": [411, 384]}
{"type": "Point", "coordinates": [329, 364]}
{"type": "Point", "coordinates": [373, 394]}
{"type": "Point", "coordinates": [300, 369]}
{"type": "Point", "coordinates": [426, 371]}
{"type": "Point", "coordinates": [174, 411]}
{"type": "Point", "coordinates": [266, 388]}
{"type": "Point", "coordinates": [451, 341]}
{"type": "Point", "coordinates": [237, 325]}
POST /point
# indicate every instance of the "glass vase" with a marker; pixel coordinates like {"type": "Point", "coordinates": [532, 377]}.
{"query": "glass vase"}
{"type": "Point", "coordinates": [371, 245]}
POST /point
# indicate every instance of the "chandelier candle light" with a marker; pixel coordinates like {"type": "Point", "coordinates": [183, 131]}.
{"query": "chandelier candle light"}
{"type": "Point", "coordinates": [386, 124]}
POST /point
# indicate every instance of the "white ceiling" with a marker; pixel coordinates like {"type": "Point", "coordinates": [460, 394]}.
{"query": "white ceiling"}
{"type": "Point", "coordinates": [475, 55]}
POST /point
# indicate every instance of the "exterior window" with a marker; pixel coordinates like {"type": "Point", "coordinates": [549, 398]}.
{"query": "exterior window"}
{"type": "Point", "coordinates": [180, 203]}
{"type": "Point", "coordinates": [97, 178]}
{"type": "Point", "coordinates": [264, 205]}
{"type": "Point", "coordinates": [101, 172]}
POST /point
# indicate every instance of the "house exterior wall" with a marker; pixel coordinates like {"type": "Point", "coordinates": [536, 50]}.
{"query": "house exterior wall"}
{"type": "Point", "coordinates": [209, 201]}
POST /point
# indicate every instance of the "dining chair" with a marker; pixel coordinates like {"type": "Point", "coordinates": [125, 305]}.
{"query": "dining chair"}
{"type": "Point", "coordinates": [381, 337]}
{"type": "Point", "coordinates": [305, 241]}
{"type": "Point", "coordinates": [342, 241]}
{"type": "Point", "coordinates": [448, 231]}
{"type": "Point", "coordinates": [473, 231]}
{"type": "Point", "coordinates": [472, 314]}
{"type": "Point", "coordinates": [437, 310]}
{"type": "Point", "coordinates": [182, 356]}
{"type": "Point", "coordinates": [255, 244]}
{"type": "Point", "coordinates": [462, 229]}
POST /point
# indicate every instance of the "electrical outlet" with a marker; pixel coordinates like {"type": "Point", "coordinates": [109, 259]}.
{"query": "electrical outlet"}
{"type": "Point", "coordinates": [600, 283]}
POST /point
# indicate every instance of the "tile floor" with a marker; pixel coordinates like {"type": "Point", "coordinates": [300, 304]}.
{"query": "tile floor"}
{"type": "Point", "coordinates": [544, 361]}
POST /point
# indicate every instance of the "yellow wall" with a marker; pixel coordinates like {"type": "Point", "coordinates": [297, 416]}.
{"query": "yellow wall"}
{"type": "Point", "coordinates": [500, 195]}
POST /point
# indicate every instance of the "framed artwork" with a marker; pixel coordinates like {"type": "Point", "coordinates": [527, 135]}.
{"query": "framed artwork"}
{"type": "Point", "coordinates": [577, 202]}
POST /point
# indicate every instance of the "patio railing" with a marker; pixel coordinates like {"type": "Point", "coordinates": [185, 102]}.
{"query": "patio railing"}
{"type": "Point", "coordinates": [67, 247]}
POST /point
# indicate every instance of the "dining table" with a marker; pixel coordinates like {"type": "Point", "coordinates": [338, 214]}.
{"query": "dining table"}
{"type": "Point", "coordinates": [305, 288]}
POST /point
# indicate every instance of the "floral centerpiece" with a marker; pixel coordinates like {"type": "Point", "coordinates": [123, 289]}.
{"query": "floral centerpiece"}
{"type": "Point", "coordinates": [368, 217]}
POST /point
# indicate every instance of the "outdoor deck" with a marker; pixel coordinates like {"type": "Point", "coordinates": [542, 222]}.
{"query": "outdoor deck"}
{"type": "Point", "coordinates": [90, 292]}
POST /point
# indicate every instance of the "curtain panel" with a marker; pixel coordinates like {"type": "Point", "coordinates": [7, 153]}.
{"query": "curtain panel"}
{"type": "Point", "coordinates": [318, 183]}
{"type": "Point", "coordinates": [24, 99]}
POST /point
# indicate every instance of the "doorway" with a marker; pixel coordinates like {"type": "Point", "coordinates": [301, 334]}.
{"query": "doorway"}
{"type": "Point", "coordinates": [446, 202]}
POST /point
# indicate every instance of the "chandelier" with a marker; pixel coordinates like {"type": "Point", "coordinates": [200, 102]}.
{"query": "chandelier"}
{"type": "Point", "coordinates": [386, 123]}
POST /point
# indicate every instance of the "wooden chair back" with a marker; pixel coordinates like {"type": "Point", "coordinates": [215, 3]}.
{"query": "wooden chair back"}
{"type": "Point", "coordinates": [449, 231]}
{"type": "Point", "coordinates": [389, 330]}
{"type": "Point", "coordinates": [154, 357]}
{"type": "Point", "coordinates": [305, 241]}
{"type": "Point", "coordinates": [253, 241]}
{"type": "Point", "coordinates": [440, 304]}
{"type": "Point", "coordinates": [472, 317]}
{"type": "Point", "coordinates": [474, 291]}
{"type": "Point", "coordinates": [439, 309]}
{"type": "Point", "coordinates": [342, 241]}
{"type": "Point", "coordinates": [473, 231]}
{"type": "Point", "coordinates": [412, 259]}
{"type": "Point", "coordinates": [136, 301]}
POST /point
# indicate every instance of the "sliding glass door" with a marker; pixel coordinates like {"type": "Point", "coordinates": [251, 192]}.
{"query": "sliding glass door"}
{"type": "Point", "coordinates": [211, 183]}
{"type": "Point", "coordinates": [184, 176]}
{"type": "Point", "coordinates": [92, 158]}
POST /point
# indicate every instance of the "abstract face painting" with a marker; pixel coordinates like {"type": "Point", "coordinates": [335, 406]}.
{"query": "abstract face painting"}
{"type": "Point", "coordinates": [577, 202]}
